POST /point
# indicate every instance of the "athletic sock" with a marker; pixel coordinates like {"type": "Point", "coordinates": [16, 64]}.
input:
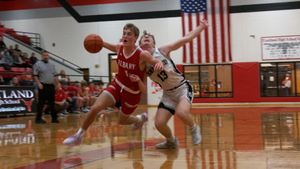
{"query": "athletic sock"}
{"type": "Point", "coordinates": [193, 127]}
{"type": "Point", "coordinates": [80, 132]}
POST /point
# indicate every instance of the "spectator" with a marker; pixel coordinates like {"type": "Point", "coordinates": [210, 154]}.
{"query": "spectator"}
{"type": "Point", "coordinates": [72, 91]}
{"type": "Point", "coordinates": [5, 59]}
{"type": "Point", "coordinates": [61, 103]}
{"type": "Point", "coordinates": [26, 78]}
{"type": "Point", "coordinates": [286, 85]}
{"type": "Point", "coordinates": [62, 77]}
{"type": "Point", "coordinates": [83, 94]}
{"type": "Point", "coordinates": [2, 44]}
{"type": "Point", "coordinates": [94, 91]}
{"type": "Point", "coordinates": [25, 60]}
{"type": "Point", "coordinates": [33, 59]}
{"type": "Point", "coordinates": [15, 81]}
{"type": "Point", "coordinates": [17, 49]}
{"type": "Point", "coordinates": [1, 80]}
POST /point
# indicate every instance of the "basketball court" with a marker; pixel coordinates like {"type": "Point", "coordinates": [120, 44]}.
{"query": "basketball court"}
{"type": "Point", "coordinates": [232, 138]}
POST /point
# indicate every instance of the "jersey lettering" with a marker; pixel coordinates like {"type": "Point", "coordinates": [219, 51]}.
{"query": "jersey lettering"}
{"type": "Point", "coordinates": [126, 65]}
{"type": "Point", "coordinates": [162, 75]}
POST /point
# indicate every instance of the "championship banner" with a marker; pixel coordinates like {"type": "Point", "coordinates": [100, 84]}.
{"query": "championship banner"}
{"type": "Point", "coordinates": [16, 99]}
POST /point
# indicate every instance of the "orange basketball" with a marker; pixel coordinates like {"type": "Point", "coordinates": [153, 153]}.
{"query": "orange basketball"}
{"type": "Point", "coordinates": [93, 43]}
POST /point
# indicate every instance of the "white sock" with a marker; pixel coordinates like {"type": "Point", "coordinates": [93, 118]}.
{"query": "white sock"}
{"type": "Point", "coordinates": [193, 127]}
{"type": "Point", "coordinates": [80, 132]}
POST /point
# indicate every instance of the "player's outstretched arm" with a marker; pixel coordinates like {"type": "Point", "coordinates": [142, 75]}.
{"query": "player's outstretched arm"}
{"type": "Point", "coordinates": [187, 38]}
{"type": "Point", "coordinates": [109, 46]}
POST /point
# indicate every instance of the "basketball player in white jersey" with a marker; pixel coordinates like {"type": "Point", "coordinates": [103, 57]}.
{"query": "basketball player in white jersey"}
{"type": "Point", "coordinates": [177, 92]}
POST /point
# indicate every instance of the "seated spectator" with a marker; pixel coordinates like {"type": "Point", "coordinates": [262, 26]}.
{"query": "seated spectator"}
{"type": "Point", "coordinates": [83, 94]}
{"type": "Point", "coordinates": [15, 81]}
{"type": "Point", "coordinates": [33, 59]}
{"type": "Point", "coordinates": [2, 44]}
{"type": "Point", "coordinates": [11, 49]}
{"type": "Point", "coordinates": [16, 58]}
{"type": "Point", "coordinates": [6, 59]}
{"type": "Point", "coordinates": [1, 80]}
{"type": "Point", "coordinates": [61, 104]}
{"type": "Point", "coordinates": [62, 77]}
{"type": "Point", "coordinates": [72, 91]}
{"type": "Point", "coordinates": [17, 49]}
{"type": "Point", "coordinates": [94, 91]}
{"type": "Point", "coordinates": [25, 60]}
{"type": "Point", "coordinates": [25, 79]}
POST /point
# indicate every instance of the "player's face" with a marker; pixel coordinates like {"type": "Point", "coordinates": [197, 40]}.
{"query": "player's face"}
{"type": "Point", "coordinates": [147, 40]}
{"type": "Point", "coordinates": [128, 38]}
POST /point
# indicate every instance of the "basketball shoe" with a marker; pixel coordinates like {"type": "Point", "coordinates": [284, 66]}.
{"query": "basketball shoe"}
{"type": "Point", "coordinates": [143, 118]}
{"type": "Point", "coordinates": [196, 135]}
{"type": "Point", "coordinates": [73, 140]}
{"type": "Point", "coordinates": [168, 144]}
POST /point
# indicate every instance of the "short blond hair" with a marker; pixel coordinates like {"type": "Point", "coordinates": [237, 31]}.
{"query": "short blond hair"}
{"type": "Point", "coordinates": [133, 28]}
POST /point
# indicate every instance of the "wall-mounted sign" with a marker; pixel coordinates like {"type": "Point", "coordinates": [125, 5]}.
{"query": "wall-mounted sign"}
{"type": "Point", "coordinates": [280, 47]}
{"type": "Point", "coordinates": [16, 99]}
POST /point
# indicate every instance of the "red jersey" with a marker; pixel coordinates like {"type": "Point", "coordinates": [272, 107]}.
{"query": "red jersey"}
{"type": "Point", "coordinates": [129, 65]}
{"type": "Point", "coordinates": [94, 91]}
{"type": "Point", "coordinates": [60, 95]}
{"type": "Point", "coordinates": [72, 91]}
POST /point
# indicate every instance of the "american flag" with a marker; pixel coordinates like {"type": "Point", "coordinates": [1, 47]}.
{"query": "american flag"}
{"type": "Point", "coordinates": [213, 44]}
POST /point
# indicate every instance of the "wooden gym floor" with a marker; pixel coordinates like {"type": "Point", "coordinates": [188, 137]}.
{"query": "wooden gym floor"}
{"type": "Point", "coordinates": [233, 138]}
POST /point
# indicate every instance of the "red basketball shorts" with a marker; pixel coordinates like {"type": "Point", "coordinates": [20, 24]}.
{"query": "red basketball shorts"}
{"type": "Point", "coordinates": [127, 100]}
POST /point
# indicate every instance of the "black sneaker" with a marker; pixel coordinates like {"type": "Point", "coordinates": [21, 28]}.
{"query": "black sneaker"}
{"type": "Point", "coordinates": [55, 121]}
{"type": "Point", "coordinates": [40, 121]}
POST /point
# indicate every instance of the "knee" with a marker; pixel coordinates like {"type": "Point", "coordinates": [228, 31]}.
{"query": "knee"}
{"type": "Point", "coordinates": [181, 113]}
{"type": "Point", "coordinates": [159, 123]}
{"type": "Point", "coordinates": [95, 109]}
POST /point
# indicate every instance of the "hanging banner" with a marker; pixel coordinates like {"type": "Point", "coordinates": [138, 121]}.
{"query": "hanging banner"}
{"type": "Point", "coordinates": [16, 99]}
{"type": "Point", "coordinates": [280, 47]}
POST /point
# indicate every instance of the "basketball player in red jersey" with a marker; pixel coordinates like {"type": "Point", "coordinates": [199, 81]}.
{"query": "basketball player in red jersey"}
{"type": "Point", "coordinates": [126, 88]}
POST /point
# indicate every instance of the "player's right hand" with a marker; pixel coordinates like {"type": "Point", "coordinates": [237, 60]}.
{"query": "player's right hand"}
{"type": "Point", "coordinates": [159, 66]}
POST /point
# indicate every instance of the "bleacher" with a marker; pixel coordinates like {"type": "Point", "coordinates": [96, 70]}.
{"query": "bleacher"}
{"type": "Point", "coordinates": [21, 73]}
{"type": "Point", "coordinates": [10, 31]}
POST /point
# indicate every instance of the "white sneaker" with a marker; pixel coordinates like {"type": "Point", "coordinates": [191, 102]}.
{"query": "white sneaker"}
{"type": "Point", "coordinates": [144, 117]}
{"type": "Point", "coordinates": [196, 135]}
{"type": "Point", "coordinates": [168, 144]}
{"type": "Point", "coordinates": [73, 140]}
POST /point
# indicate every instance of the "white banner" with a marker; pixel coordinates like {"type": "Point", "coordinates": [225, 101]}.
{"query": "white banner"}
{"type": "Point", "coordinates": [280, 47]}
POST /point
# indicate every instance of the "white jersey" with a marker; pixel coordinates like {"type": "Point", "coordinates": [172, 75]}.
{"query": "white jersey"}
{"type": "Point", "coordinates": [168, 78]}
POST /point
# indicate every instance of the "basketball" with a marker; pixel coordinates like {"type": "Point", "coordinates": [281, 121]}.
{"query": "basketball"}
{"type": "Point", "coordinates": [93, 43]}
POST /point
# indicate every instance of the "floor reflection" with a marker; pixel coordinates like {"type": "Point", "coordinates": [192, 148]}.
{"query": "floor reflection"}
{"type": "Point", "coordinates": [232, 138]}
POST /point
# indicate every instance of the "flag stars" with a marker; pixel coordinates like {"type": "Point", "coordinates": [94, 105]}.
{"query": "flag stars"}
{"type": "Point", "coordinates": [193, 6]}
